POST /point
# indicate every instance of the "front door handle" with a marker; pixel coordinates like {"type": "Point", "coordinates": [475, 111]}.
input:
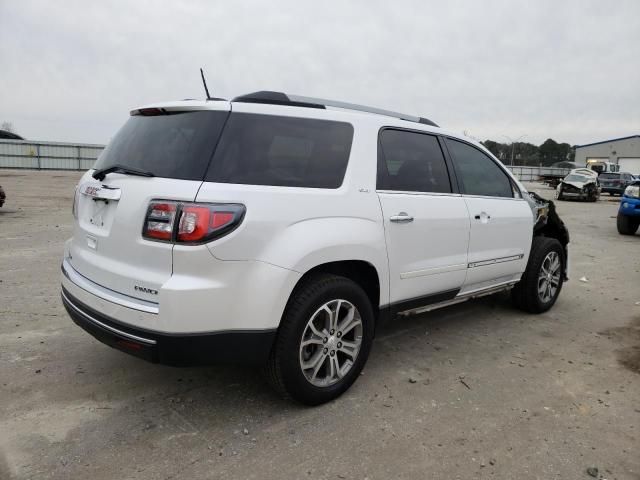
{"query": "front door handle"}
{"type": "Point", "coordinates": [402, 217]}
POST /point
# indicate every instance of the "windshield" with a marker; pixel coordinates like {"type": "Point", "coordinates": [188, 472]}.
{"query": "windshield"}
{"type": "Point", "coordinates": [609, 175]}
{"type": "Point", "coordinates": [576, 178]}
{"type": "Point", "coordinates": [176, 145]}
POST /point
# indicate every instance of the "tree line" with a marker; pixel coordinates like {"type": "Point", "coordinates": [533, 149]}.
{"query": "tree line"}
{"type": "Point", "coordinates": [525, 153]}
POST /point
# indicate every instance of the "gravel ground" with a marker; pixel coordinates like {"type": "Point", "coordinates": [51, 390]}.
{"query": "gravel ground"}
{"type": "Point", "coordinates": [478, 390]}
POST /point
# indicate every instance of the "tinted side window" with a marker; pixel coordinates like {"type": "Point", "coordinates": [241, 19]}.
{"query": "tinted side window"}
{"type": "Point", "coordinates": [409, 161]}
{"type": "Point", "coordinates": [477, 173]}
{"type": "Point", "coordinates": [282, 151]}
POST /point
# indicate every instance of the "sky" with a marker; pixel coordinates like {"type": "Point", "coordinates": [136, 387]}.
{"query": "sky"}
{"type": "Point", "coordinates": [568, 70]}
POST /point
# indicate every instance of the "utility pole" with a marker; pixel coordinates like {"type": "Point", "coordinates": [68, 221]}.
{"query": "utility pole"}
{"type": "Point", "coordinates": [513, 145]}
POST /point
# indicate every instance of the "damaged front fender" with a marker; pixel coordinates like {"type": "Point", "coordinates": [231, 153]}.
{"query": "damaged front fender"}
{"type": "Point", "coordinates": [549, 224]}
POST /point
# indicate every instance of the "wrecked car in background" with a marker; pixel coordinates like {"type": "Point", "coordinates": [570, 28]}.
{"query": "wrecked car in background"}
{"type": "Point", "coordinates": [581, 184]}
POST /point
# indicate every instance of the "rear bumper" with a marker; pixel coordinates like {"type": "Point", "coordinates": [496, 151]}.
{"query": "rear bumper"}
{"type": "Point", "coordinates": [239, 347]}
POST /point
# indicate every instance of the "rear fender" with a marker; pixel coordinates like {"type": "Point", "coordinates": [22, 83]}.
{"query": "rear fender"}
{"type": "Point", "coordinates": [309, 243]}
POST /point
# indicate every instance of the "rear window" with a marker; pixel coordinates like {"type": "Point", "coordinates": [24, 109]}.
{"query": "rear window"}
{"type": "Point", "coordinates": [282, 151]}
{"type": "Point", "coordinates": [175, 145]}
{"type": "Point", "coordinates": [609, 175]}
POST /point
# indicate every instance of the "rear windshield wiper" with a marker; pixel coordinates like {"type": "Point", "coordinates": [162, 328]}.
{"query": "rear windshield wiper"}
{"type": "Point", "coordinates": [103, 172]}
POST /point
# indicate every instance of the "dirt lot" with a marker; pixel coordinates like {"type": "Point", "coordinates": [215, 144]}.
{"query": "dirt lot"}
{"type": "Point", "coordinates": [478, 390]}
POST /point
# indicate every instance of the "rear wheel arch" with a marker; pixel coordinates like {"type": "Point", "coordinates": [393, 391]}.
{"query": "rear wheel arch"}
{"type": "Point", "coordinates": [361, 272]}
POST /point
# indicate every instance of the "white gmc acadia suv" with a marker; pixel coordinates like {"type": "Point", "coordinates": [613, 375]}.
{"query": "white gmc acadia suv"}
{"type": "Point", "coordinates": [280, 230]}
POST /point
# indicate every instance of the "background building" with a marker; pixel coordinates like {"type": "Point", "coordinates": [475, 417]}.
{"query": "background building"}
{"type": "Point", "coordinates": [624, 151]}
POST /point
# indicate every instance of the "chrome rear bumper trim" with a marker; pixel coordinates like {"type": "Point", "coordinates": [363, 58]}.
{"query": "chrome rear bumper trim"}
{"type": "Point", "coordinates": [104, 293]}
{"type": "Point", "coordinates": [97, 322]}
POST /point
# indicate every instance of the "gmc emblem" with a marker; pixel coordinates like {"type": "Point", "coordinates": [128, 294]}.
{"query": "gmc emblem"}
{"type": "Point", "coordinates": [91, 191]}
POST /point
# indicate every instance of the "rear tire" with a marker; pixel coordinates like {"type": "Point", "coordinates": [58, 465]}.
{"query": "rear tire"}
{"type": "Point", "coordinates": [312, 360]}
{"type": "Point", "coordinates": [542, 280]}
{"type": "Point", "coordinates": [627, 225]}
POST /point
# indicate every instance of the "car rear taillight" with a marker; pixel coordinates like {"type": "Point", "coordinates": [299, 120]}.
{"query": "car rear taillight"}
{"type": "Point", "coordinates": [160, 221]}
{"type": "Point", "coordinates": [191, 223]}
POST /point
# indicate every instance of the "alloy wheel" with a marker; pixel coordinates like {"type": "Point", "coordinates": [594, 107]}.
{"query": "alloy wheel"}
{"type": "Point", "coordinates": [330, 343]}
{"type": "Point", "coordinates": [549, 277]}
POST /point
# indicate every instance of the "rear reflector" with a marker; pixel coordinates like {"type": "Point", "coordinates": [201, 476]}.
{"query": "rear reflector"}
{"type": "Point", "coordinates": [191, 223]}
{"type": "Point", "coordinates": [129, 345]}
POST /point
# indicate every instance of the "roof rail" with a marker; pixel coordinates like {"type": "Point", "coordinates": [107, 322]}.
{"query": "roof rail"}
{"type": "Point", "coordinates": [279, 98]}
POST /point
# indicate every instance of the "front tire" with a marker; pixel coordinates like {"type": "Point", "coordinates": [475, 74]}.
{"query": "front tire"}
{"type": "Point", "coordinates": [627, 225]}
{"type": "Point", "coordinates": [323, 341]}
{"type": "Point", "coordinates": [543, 278]}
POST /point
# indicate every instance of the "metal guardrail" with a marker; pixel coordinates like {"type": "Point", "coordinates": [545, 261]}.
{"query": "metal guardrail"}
{"type": "Point", "coordinates": [48, 155]}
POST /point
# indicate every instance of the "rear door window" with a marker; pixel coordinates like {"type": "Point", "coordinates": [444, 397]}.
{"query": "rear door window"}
{"type": "Point", "coordinates": [411, 162]}
{"type": "Point", "coordinates": [282, 151]}
{"type": "Point", "coordinates": [172, 145]}
{"type": "Point", "coordinates": [477, 172]}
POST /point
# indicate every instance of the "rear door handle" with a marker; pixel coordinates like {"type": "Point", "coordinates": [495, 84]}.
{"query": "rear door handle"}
{"type": "Point", "coordinates": [484, 217]}
{"type": "Point", "coordinates": [402, 217]}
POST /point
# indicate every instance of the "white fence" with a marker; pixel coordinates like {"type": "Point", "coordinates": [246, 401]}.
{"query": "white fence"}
{"type": "Point", "coordinates": [48, 155]}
